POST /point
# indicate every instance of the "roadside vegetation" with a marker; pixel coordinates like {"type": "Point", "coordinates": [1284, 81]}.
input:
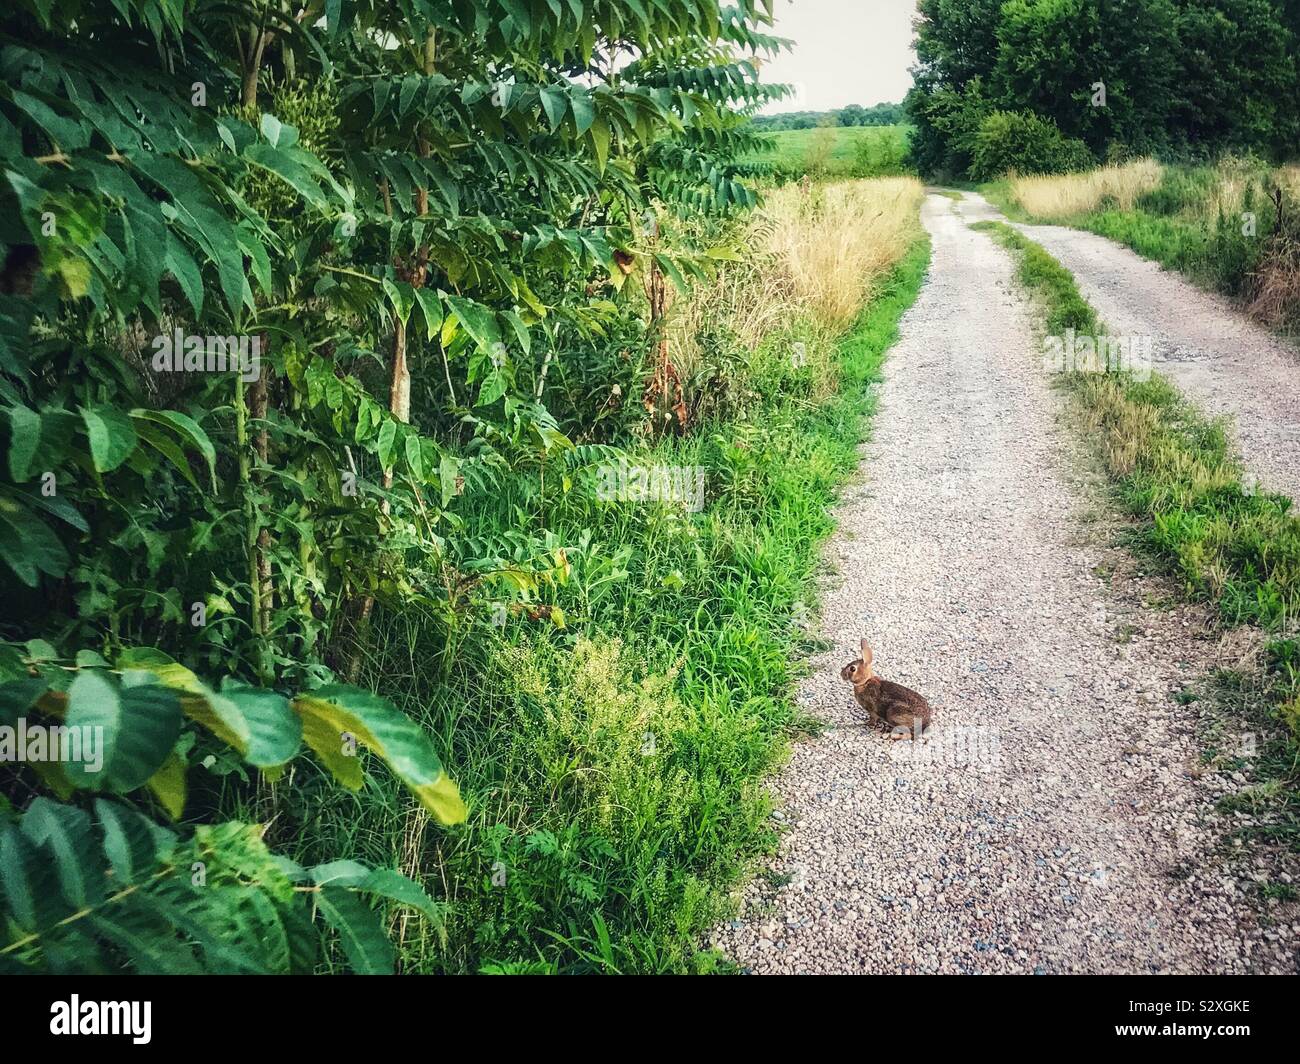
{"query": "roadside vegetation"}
{"type": "Point", "coordinates": [1173, 469]}
{"type": "Point", "coordinates": [1233, 227]}
{"type": "Point", "coordinates": [447, 622]}
{"type": "Point", "coordinates": [616, 777]}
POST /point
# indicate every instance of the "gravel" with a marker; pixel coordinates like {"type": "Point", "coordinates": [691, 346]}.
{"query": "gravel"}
{"type": "Point", "coordinates": [1057, 818]}
{"type": "Point", "coordinates": [1216, 356]}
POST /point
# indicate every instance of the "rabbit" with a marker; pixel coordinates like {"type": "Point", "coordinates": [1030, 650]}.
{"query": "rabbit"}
{"type": "Point", "coordinates": [898, 708]}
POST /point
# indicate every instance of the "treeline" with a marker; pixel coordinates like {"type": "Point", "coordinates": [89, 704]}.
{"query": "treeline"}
{"type": "Point", "coordinates": [1044, 86]}
{"type": "Point", "coordinates": [882, 114]}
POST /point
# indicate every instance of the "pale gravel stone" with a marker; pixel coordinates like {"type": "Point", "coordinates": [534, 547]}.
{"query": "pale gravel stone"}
{"type": "Point", "coordinates": [965, 560]}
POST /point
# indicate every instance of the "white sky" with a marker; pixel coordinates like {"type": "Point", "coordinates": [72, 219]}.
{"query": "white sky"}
{"type": "Point", "coordinates": [845, 51]}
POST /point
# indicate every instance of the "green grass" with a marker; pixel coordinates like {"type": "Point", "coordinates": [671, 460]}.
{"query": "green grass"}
{"type": "Point", "coordinates": [1174, 467]}
{"type": "Point", "coordinates": [1174, 470]}
{"type": "Point", "coordinates": [1250, 704]}
{"type": "Point", "coordinates": [839, 152]}
{"type": "Point", "coordinates": [614, 769]}
{"type": "Point", "coordinates": [999, 194]}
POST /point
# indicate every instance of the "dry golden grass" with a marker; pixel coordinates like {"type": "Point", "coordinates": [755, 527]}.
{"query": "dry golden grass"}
{"type": "Point", "coordinates": [830, 244]}
{"type": "Point", "coordinates": [1065, 195]}
{"type": "Point", "coordinates": [816, 255]}
{"type": "Point", "coordinates": [1290, 177]}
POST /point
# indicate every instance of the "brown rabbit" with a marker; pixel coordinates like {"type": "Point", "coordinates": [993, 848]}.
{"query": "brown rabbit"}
{"type": "Point", "coordinates": [900, 709]}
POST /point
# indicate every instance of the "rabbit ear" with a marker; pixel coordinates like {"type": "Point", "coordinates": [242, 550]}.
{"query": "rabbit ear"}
{"type": "Point", "coordinates": [866, 652]}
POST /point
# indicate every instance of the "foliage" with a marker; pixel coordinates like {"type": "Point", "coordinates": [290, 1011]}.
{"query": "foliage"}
{"type": "Point", "coordinates": [1181, 77]}
{"type": "Point", "coordinates": [1023, 143]}
{"type": "Point", "coordinates": [614, 768]}
{"type": "Point", "coordinates": [99, 894]}
{"type": "Point", "coordinates": [410, 218]}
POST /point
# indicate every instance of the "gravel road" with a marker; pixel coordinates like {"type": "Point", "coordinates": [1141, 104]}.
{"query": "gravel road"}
{"type": "Point", "coordinates": [1216, 356]}
{"type": "Point", "coordinates": [1057, 819]}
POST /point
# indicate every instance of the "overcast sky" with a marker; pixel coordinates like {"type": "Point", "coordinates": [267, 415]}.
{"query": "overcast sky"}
{"type": "Point", "coordinates": [845, 51]}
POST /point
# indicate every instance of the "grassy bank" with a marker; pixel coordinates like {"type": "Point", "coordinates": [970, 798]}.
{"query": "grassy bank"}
{"type": "Point", "coordinates": [614, 766]}
{"type": "Point", "coordinates": [1175, 472]}
{"type": "Point", "coordinates": [1231, 227]}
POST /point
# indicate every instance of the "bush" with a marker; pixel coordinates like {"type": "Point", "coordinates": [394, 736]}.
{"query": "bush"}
{"type": "Point", "coordinates": [1022, 142]}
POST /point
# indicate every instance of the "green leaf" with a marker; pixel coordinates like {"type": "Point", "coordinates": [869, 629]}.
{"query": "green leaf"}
{"type": "Point", "coordinates": [402, 296]}
{"type": "Point", "coordinates": [135, 727]}
{"type": "Point", "coordinates": [288, 168]}
{"type": "Point", "coordinates": [27, 546]}
{"type": "Point", "coordinates": [554, 103]}
{"type": "Point", "coordinates": [477, 320]}
{"type": "Point", "coordinates": [271, 128]}
{"type": "Point", "coordinates": [584, 112]}
{"type": "Point", "coordinates": [258, 723]}
{"type": "Point", "coordinates": [414, 455]}
{"type": "Point", "coordinates": [600, 142]}
{"type": "Point", "coordinates": [134, 846]}
{"type": "Point", "coordinates": [448, 471]}
{"type": "Point", "coordinates": [492, 388]}
{"type": "Point", "coordinates": [112, 439]}
{"type": "Point", "coordinates": [431, 307]}
{"type": "Point", "coordinates": [24, 441]}
{"type": "Point", "coordinates": [170, 786]}
{"type": "Point", "coordinates": [377, 724]}
{"type": "Point", "coordinates": [387, 438]}
{"type": "Point", "coordinates": [189, 431]}
{"type": "Point", "coordinates": [64, 832]}
{"type": "Point", "coordinates": [180, 264]}
{"type": "Point", "coordinates": [32, 892]}
{"type": "Point", "coordinates": [360, 933]}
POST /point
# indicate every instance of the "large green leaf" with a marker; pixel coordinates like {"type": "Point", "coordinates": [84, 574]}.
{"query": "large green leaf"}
{"type": "Point", "coordinates": [258, 723]}
{"type": "Point", "coordinates": [360, 933]}
{"type": "Point", "coordinates": [331, 713]}
{"type": "Point", "coordinates": [135, 725]}
{"type": "Point", "coordinates": [24, 441]}
{"type": "Point", "coordinates": [188, 430]}
{"type": "Point", "coordinates": [64, 833]}
{"type": "Point", "coordinates": [133, 845]}
{"type": "Point", "coordinates": [27, 546]}
{"type": "Point", "coordinates": [112, 439]}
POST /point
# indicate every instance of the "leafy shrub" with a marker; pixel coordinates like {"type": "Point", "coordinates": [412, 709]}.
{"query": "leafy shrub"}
{"type": "Point", "coordinates": [1024, 143]}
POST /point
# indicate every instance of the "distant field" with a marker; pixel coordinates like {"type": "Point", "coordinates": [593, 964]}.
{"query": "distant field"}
{"type": "Point", "coordinates": [840, 151]}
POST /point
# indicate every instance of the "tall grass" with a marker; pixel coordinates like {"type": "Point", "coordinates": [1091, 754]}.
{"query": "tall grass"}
{"type": "Point", "coordinates": [1063, 196]}
{"type": "Point", "coordinates": [614, 767]}
{"type": "Point", "coordinates": [818, 254]}
{"type": "Point", "coordinates": [831, 244]}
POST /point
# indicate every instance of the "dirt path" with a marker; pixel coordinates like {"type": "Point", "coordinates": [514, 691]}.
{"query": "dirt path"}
{"type": "Point", "coordinates": [1214, 354]}
{"type": "Point", "coordinates": [1054, 821]}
